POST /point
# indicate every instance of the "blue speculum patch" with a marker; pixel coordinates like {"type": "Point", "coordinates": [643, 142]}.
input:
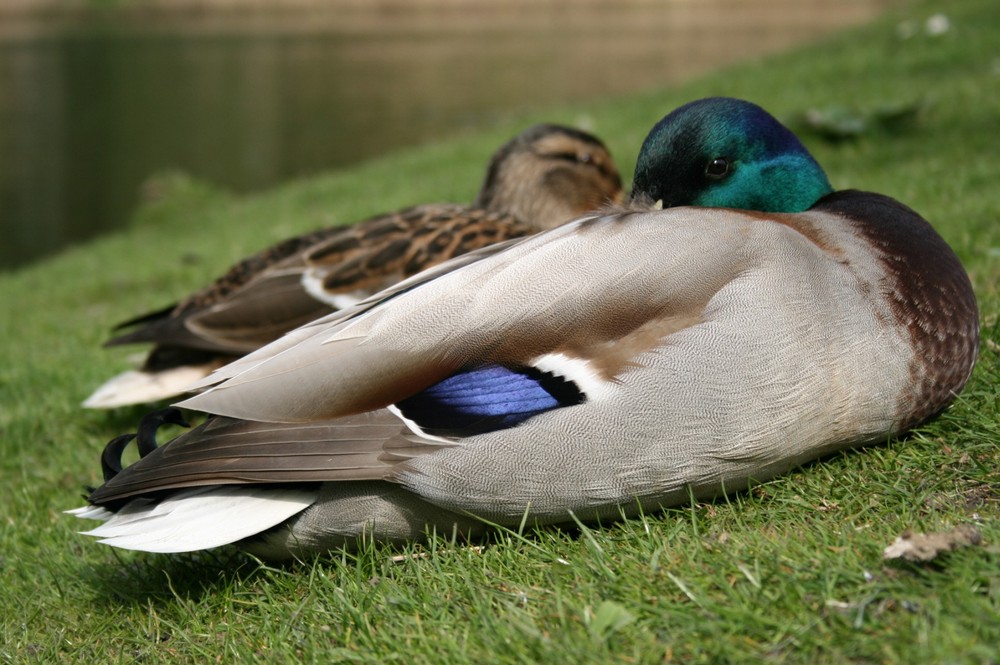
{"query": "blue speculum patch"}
{"type": "Point", "coordinates": [488, 398]}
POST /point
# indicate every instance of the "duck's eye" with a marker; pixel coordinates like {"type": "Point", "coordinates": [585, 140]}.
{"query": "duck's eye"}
{"type": "Point", "coordinates": [575, 157]}
{"type": "Point", "coordinates": [717, 168]}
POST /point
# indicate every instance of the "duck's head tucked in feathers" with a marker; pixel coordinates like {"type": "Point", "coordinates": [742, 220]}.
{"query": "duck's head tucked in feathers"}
{"type": "Point", "coordinates": [622, 362]}
{"type": "Point", "coordinates": [727, 153]}
{"type": "Point", "coordinates": [549, 174]}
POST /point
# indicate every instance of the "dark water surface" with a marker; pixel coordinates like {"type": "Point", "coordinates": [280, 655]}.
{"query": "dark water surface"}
{"type": "Point", "coordinates": [92, 104]}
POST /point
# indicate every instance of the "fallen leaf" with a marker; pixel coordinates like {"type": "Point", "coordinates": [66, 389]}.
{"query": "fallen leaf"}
{"type": "Point", "coordinates": [926, 546]}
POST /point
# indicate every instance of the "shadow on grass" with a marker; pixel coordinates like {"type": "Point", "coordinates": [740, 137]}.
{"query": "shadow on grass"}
{"type": "Point", "coordinates": [125, 578]}
{"type": "Point", "coordinates": [160, 579]}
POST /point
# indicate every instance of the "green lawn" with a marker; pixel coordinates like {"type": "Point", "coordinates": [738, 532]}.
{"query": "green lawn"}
{"type": "Point", "coordinates": [789, 572]}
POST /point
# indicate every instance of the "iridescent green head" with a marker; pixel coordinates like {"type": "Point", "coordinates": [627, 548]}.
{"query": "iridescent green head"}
{"type": "Point", "coordinates": [728, 153]}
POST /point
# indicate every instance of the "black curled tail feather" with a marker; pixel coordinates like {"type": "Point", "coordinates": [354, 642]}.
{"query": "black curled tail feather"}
{"type": "Point", "coordinates": [111, 457]}
{"type": "Point", "coordinates": [151, 422]}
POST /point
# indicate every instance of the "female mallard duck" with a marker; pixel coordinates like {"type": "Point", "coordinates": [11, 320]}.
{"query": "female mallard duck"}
{"type": "Point", "coordinates": [623, 362]}
{"type": "Point", "coordinates": [546, 175]}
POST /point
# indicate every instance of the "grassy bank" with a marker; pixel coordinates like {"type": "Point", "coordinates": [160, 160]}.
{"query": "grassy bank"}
{"type": "Point", "coordinates": [789, 572]}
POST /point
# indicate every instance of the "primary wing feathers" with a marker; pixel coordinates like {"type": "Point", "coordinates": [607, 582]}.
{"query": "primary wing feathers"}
{"type": "Point", "coordinates": [334, 320]}
{"type": "Point", "coordinates": [505, 308]}
{"type": "Point", "coordinates": [170, 325]}
{"type": "Point", "coordinates": [223, 451]}
{"type": "Point", "coordinates": [254, 316]}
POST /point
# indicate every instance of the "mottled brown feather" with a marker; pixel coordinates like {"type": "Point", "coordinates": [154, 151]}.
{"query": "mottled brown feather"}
{"type": "Point", "coordinates": [419, 239]}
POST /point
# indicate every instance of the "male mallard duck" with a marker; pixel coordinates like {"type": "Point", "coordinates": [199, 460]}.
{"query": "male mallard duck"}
{"type": "Point", "coordinates": [625, 361]}
{"type": "Point", "coordinates": [546, 175]}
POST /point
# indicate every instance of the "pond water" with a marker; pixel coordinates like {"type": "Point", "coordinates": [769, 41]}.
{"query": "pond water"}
{"type": "Point", "coordinates": [94, 102]}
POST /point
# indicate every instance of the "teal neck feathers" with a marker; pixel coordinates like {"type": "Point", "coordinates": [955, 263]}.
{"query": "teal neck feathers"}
{"type": "Point", "coordinates": [723, 152]}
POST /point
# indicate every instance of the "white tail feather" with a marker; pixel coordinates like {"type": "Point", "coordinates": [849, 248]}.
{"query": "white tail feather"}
{"type": "Point", "coordinates": [135, 387]}
{"type": "Point", "coordinates": [198, 519]}
{"type": "Point", "coordinates": [91, 513]}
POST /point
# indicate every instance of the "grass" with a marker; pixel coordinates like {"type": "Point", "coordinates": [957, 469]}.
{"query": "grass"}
{"type": "Point", "coordinates": [791, 572]}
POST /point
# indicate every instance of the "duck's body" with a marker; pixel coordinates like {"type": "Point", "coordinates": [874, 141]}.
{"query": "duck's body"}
{"type": "Point", "coordinates": [623, 361]}
{"type": "Point", "coordinates": [546, 175]}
